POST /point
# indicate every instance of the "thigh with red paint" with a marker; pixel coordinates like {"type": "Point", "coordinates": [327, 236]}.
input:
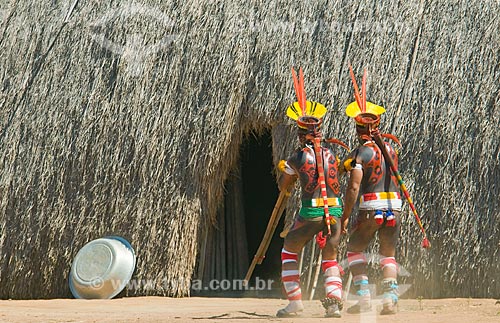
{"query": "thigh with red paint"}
{"type": "Point", "coordinates": [388, 236]}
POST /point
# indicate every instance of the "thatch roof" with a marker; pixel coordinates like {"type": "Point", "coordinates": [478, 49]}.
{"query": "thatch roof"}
{"type": "Point", "coordinates": [100, 138]}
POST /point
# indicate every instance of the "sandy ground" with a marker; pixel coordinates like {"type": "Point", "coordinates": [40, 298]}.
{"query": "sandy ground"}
{"type": "Point", "coordinates": [197, 309]}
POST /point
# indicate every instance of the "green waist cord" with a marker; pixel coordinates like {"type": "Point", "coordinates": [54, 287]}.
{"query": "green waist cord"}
{"type": "Point", "coordinates": [314, 212]}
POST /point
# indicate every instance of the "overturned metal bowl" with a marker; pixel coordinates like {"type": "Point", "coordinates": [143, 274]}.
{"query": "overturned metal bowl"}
{"type": "Point", "coordinates": [102, 268]}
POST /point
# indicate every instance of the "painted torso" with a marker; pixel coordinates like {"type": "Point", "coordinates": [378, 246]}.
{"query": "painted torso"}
{"type": "Point", "coordinates": [304, 163]}
{"type": "Point", "coordinates": [377, 176]}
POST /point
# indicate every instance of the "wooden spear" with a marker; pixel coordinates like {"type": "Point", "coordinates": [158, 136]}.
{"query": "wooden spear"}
{"type": "Point", "coordinates": [279, 207]}
{"type": "Point", "coordinates": [316, 275]}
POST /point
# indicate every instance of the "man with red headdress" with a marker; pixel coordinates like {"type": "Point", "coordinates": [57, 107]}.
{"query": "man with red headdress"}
{"type": "Point", "coordinates": [316, 168]}
{"type": "Point", "coordinates": [379, 205]}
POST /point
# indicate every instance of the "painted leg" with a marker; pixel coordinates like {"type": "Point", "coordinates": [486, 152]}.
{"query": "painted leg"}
{"type": "Point", "coordinates": [388, 239]}
{"type": "Point", "coordinates": [389, 285]}
{"type": "Point", "coordinates": [357, 263]}
{"type": "Point", "coordinates": [333, 288]}
{"type": "Point", "coordinates": [291, 283]}
{"type": "Point", "coordinates": [363, 233]}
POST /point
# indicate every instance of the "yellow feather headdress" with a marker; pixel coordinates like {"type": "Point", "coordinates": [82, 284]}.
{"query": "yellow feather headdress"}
{"type": "Point", "coordinates": [366, 114]}
{"type": "Point", "coordinates": [307, 114]}
{"type": "Point", "coordinates": [361, 110]}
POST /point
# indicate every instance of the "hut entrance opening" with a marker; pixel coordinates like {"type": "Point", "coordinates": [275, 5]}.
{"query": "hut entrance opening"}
{"type": "Point", "coordinates": [250, 195]}
{"type": "Point", "coordinates": [260, 193]}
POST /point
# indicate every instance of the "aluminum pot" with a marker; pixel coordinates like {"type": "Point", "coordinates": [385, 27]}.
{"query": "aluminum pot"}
{"type": "Point", "coordinates": [102, 268]}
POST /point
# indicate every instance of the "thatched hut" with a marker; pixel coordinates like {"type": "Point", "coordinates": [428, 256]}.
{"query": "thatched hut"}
{"type": "Point", "coordinates": [155, 120]}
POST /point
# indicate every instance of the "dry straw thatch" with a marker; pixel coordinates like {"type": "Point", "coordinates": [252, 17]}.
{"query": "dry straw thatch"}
{"type": "Point", "coordinates": [100, 137]}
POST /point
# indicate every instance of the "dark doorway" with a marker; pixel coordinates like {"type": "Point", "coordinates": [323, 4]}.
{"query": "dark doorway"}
{"type": "Point", "coordinates": [228, 247]}
{"type": "Point", "coordinates": [260, 193]}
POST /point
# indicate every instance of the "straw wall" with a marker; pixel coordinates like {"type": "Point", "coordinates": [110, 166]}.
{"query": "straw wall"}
{"type": "Point", "coordinates": [127, 119]}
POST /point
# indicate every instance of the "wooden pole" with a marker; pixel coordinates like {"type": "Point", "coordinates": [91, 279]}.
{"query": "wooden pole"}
{"type": "Point", "coordinates": [347, 287]}
{"type": "Point", "coordinates": [311, 262]}
{"type": "Point", "coordinates": [273, 228]}
{"type": "Point", "coordinates": [301, 260]}
{"type": "Point", "coordinates": [316, 275]}
{"type": "Point", "coordinates": [268, 235]}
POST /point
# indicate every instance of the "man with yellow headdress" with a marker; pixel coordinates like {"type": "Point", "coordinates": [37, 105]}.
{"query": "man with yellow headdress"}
{"type": "Point", "coordinates": [315, 167]}
{"type": "Point", "coordinates": [379, 205]}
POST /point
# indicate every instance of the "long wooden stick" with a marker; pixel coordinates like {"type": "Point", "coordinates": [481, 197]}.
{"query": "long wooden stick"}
{"type": "Point", "coordinates": [301, 261]}
{"type": "Point", "coordinates": [273, 229]}
{"type": "Point", "coordinates": [347, 287]}
{"type": "Point", "coordinates": [316, 275]}
{"type": "Point", "coordinates": [268, 235]}
{"type": "Point", "coordinates": [311, 263]}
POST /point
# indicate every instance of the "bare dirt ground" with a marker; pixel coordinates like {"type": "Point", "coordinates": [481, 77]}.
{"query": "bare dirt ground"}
{"type": "Point", "coordinates": [198, 309]}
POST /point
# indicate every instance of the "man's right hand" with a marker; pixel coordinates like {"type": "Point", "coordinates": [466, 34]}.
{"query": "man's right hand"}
{"type": "Point", "coordinates": [344, 221]}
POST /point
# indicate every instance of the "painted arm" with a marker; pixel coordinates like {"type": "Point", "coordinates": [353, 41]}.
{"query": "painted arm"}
{"type": "Point", "coordinates": [286, 181]}
{"type": "Point", "coordinates": [288, 175]}
{"type": "Point", "coordinates": [350, 197]}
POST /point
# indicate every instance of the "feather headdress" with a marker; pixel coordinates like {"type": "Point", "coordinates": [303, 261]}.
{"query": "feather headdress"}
{"type": "Point", "coordinates": [365, 113]}
{"type": "Point", "coordinates": [307, 114]}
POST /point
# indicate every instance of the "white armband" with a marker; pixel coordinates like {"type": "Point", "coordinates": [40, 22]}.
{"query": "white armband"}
{"type": "Point", "coordinates": [289, 170]}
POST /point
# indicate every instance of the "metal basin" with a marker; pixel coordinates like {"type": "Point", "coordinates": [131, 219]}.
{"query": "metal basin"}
{"type": "Point", "coordinates": [102, 268]}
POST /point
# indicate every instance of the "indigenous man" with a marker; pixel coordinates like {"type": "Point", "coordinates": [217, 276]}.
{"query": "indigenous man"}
{"type": "Point", "coordinates": [316, 168]}
{"type": "Point", "coordinates": [379, 206]}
